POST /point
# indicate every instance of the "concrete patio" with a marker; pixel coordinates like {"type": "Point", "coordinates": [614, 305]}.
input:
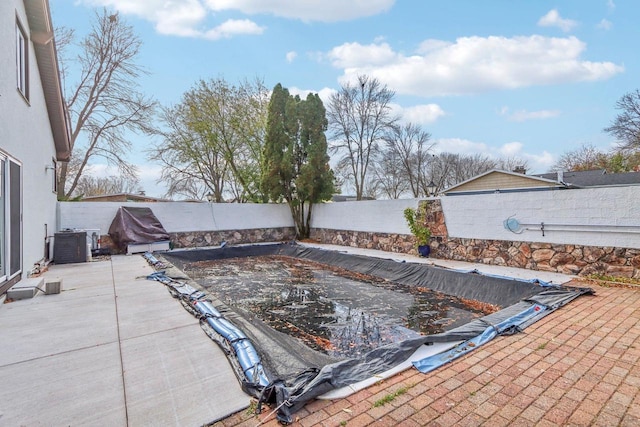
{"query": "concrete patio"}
{"type": "Point", "coordinates": [112, 349]}
{"type": "Point", "coordinates": [115, 349]}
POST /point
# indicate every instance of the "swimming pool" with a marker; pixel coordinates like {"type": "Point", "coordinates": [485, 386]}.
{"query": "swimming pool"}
{"type": "Point", "coordinates": [325, 323]}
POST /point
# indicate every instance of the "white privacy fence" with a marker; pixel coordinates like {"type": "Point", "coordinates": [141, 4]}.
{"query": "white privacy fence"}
{"type": "Point", "coordinates": [594, 217]}
{"type": "Point", "coordinates": [179, 216]}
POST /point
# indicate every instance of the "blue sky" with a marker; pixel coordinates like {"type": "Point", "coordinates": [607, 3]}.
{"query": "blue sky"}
{"type": "Point", "coordinates": [527, 79]}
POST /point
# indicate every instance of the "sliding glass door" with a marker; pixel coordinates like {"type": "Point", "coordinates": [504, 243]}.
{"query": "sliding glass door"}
{"type": "Point", "coordinates": [15, 218]}
{"type": "Point", "coordinates": [10, 218]}
{"type": "Point", "coordinates": [3, 204]}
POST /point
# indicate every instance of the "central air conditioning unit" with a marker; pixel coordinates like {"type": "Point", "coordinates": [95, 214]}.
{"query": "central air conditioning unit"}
{"type": "Point", "coordinates": [70, 247]}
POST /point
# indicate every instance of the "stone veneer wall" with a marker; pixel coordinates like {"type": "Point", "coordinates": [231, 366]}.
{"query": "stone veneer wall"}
{"type": "Point", "coordinates": [567, 259]}
{"type": "Point", "coordinates": [198, 239]}
{"type": "Point", "coordinates": [399, 243]}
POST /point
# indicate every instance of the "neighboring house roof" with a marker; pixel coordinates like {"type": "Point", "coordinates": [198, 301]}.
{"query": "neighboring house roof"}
{"type": "Point", "coordinates": [594, 178]}
{"type": "Point", "coordinates": [39, 17]}
{"type": "Point", "coordinates": [122, 197]}
{"type": "Point", "coordinates": [498, 181]}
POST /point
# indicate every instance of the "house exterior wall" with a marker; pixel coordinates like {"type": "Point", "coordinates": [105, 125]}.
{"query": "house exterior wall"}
{"type": "Point", "coordinates": [25, 135]}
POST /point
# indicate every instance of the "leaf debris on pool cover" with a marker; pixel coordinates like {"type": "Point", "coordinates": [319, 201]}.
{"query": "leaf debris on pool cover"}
{"type": "Point", "coordinates": [338, 312]}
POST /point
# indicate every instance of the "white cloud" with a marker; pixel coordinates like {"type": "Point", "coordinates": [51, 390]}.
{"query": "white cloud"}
{"type": "Point", "coordinates": [233, 27]}
{"type": "Point", "coordinates": [510, 149]}
{"type": "Point", "coordinates": [307, 10]}
{"type": "Point", "coordinates": [183, 18]}
{"type": "Point", "coordinates": [524, 115]}
{"type": "Point", "coordinates": [432, 45]}
{"type": "Point", "coordinates": [354, 55]}
{"type": "Point", "coordinates": [149, 174]}
{"type": "Point", "coordinates": [176, 19]}
{"type": "Point", "coordinates": [611, 5]}
{"type": "Point", "coordinates": [605, 24]}
{"type": "Point", "coordinates": [324, 93]}
{"type": "Point", "coordinates": [187, 18]}
{"type": "Point", "coordinates": [291, 56]}
{"type": "Point", "coordinates": [460, 146]}
{"type": "Point", "coordinates": [537, 162]}
{"type": "Point", "coordinates": [421, 114]}
{"type": "Point", "coordinates": [418, 114]}
{"type": "Point", "coordinates": [553, 19]}
{"type": "Point", "coordinates": [472, 64]}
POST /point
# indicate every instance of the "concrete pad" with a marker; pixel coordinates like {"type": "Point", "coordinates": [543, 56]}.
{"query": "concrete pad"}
{"type": "Point", "coordinates": [110, 344]}
{"type": "Point", "coordinates": [159, 336]}
{"type": "Point", "coordinates": [179, 377]}
{"type": "Point", "coordinates": [145, 306]}
{"type": "Point", "coordinates": [81, 387]}
{"type": "Point", "coordinates": [25, 289]}
{"type": "Point", "coordinates": [130, 267]}
{"type": "Point", "coordinates": [148, 308]}
{"type": "Point", "coordinates": [84, 280]}
{"type": "Point", "coordinates": [54, 324]}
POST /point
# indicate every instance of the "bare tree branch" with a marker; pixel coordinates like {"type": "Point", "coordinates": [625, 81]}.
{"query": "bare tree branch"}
{"type": "Point", "coordinates": [626, 126]}
{"type": "Point", "coordinates": [359, 117]}
{"type": "Point", "coordinates": [104, 104]}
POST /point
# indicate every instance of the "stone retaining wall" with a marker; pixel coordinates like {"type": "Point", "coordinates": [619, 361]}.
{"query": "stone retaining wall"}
{"type": "Point", "coordinates": [567, 259]}
{"type": "Point", "coordinates": [198, 239]}
{"type": "Point", "coordinates": [399, 243]}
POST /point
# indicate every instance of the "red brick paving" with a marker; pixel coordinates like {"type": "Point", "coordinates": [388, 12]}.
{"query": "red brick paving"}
{"type": "Point", "coordinates": [578, 366]}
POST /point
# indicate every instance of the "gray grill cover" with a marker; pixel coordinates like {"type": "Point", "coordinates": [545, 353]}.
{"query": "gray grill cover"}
{"type": "Point", "coordinates": [136, 225]}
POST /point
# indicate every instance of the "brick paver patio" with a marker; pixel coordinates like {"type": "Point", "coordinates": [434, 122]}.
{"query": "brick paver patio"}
{"type": "Point", "coordinates": [577, 366]}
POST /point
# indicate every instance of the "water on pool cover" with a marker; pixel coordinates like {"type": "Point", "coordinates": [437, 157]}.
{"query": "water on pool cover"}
{"type": "Point", "coordinates": [340, 313]}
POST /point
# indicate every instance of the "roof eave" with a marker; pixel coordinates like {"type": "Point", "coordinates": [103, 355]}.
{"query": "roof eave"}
{"type": "Point", "coordinates": [42, 36]}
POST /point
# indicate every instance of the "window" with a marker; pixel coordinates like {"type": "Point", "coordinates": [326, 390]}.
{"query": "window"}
{"type": "Point", "coordinates": [22, 61]}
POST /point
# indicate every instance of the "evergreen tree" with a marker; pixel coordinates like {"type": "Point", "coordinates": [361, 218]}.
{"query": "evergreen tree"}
{"type": "Point", "coordinates": [295, 154]}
